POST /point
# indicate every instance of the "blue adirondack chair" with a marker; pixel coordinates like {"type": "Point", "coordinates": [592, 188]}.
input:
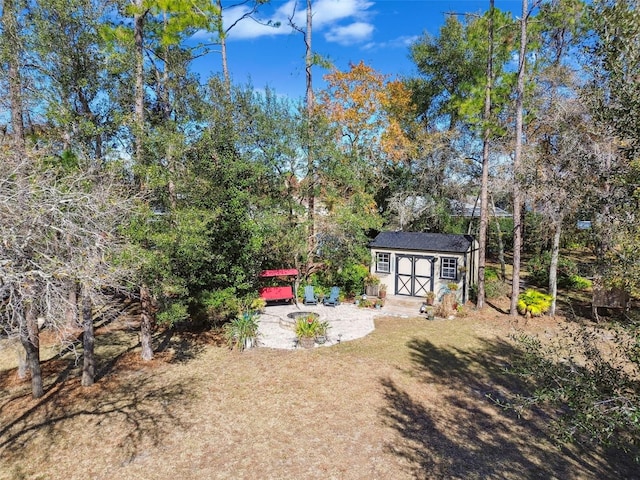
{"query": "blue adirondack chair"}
{"type": "Point", "coordinates": [309, 296]}
{"type": "Point", "coordinates": [332, 300]}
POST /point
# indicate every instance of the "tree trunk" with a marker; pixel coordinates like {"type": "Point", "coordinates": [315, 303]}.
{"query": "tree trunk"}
{"type": "Point", "coordinates": [10, 39]}
{"type": "Point", "coordinates": [30, 338]}
{"type": "Point", "coordinates": [146, 316]}
{"type": "Point", "coordinates": [484, 187]}
{"type": "Point", "coordinates": [165, 99]}
{"type": "Point", "coordinates": [503, 267]}
{"type": "Point", "coordinates": [71, 310]}
{"type": "Point", "coordinates": [517, 195]}
{"type": "Point", "coordinates": [517, 250]}
{"type": "Point", "coordinates": [88, 114]}
{"type": "Point", "coordinates": [147, 323]}
{"type": "Point", "coordinates": [311, 239]}
{"type": "Point", "coordinates": [138, 34]}
{"type": "Point", "coordinates": [88, 341]}
{"type": "Point", "coordinates": [225, 68]}
{"type": "Point", "coordinates": [23, 366]}
{"type": "Point", "coordinates": [222, 35]}
{"type": "Point", "coordinates": [553, 267]}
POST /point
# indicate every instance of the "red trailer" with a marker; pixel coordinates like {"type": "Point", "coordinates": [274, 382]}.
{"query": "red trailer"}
{"type": "Point", "coordinates": [274, 293]}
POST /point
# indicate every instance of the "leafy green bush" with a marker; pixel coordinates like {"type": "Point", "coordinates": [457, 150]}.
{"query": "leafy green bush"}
{"type": "Point", "coordinates": [173, 313]}
{"type": "Point", "coordinates": [351, 278]}
{"type": "Point", "coordinates": [257, 304]}
{"type": "Point", "coordinates": [538, 268]}
{"type": "Point", "coordinates": [221, 305]}
{"type": "Point", "coordinates": [491, 273]}
{"type": "Point", "coordinates": [594, 392]}
{"type": "Point", "coordinates": [535, 231]}
{"type": "Point", "coordinates": [534, 303]}
{"type": "Point", "coordinates": [493, 287]}
{"type": "Point", "coordinates": [580, 283]}
{"type": "Point", "coordinates": [365, 304]}
{"type": "Point", "coordinates": [473, 293]}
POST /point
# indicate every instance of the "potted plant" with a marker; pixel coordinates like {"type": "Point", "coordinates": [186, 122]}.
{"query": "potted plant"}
{"type": "Point", "coordinates": [364, 303]}
{"type": "Point", "coordinates": [379, 303]}
{"type": "Point", "coordinates": [371, 284]}
{"type": "Point", "coordinates": [321, 332]}
{"type": "Point", "coordinates": [430, 314]}
{"type": "Point", "coordinates": [241, 333]}
{"type": "Point", "coordinates": [430, 297]}
{"type": "Point", "coordinates": [453, 286]}
{"type": "Point", "coordinates": [382, 291]}
{"type": "Point", "coordinates": [308, 329]}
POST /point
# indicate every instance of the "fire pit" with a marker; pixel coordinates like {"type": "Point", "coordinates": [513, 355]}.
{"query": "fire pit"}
{"type": "Point", "coordinates": [290, 321]}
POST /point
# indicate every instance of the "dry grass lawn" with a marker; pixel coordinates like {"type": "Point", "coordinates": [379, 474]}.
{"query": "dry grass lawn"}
{"type": "Point", "coordinates": [408, 401]}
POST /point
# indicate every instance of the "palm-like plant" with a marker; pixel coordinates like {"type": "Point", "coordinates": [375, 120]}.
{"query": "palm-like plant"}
{"type": "Point", "coordinates": [310, 326]}
{"type": "Point", "coordinates": [242, 331]}
{"type": "Point", "coordinates": [534, 303]}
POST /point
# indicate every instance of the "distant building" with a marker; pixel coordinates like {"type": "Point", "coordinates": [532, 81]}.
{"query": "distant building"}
{"type": "Point", "coordinates": [471, 209]}
{"type": "Point", "coordinates": [584, 224]}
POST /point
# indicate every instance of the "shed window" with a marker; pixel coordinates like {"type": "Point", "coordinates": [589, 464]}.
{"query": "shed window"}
{"type": "Point", "coordinates": [449, 268]}
{"type": "Point", "coordinates": [383, 263]}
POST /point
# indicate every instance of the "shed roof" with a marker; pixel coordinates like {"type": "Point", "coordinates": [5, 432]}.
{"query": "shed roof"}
{"type": "Point", "coordinates": [421, 241]}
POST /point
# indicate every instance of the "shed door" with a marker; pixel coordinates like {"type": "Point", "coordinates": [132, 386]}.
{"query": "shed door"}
{"type": "Point", "coordinates": [414, 275]}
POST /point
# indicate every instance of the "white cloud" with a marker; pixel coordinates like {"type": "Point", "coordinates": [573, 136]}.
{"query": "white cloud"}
{"type": "Point", "coordinates": [350, 34]}
{"type": "Point", "coordinates": [249, 28]}
{"type": "Point", "coordinates": [327, 14]}
{"type": "Point", "coordinates": [399, 42]}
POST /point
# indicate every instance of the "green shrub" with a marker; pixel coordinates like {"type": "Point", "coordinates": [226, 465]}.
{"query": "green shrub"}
{"type": "Point", "coordinates": [351, 278]}
{"type": "Point", "coordinates": [491, 274]}
{"type": "Point", "coordinates": [221, 305]}
{"type": "Point", "coordinates": [493, 288]}
{"type": "Point", "coordinates": [365, 304]}
{"type": "Point", "coordinates": [473, 293]}
{"type": "Point", "coordinates": [538, 268]}
{"type": "Point", "coordinates": [174, 312]}
{"type": "Point", "coordinates": [580, 283]}
{"type": "Point", "coordinates": [258, 304]}
{"type": "Point", "coordinates": [534, 303]}
{"type": "Point", "coordinates": [535, 230]}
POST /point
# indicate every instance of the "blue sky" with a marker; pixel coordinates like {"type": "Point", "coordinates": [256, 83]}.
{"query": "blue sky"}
{"type": "Point", "coordinates": [377, 32]}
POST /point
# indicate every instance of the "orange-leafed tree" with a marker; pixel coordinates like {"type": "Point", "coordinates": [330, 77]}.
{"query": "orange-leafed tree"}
{"type": "Point", "coordinates": [368, 112]}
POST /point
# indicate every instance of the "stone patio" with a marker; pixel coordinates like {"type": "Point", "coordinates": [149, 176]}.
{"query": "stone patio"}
{"type": "Point", "coordinates": [347, 322]}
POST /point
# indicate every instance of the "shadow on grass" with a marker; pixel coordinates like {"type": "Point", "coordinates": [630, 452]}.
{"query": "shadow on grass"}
{"type": "Point", "coordinates": [185, 345]}
{"type": "Point", "coordinates": [464, 434]}
{"type": "Point", "coordinates": [139, 415]}
{"type": "Point", "coordinates": [497, 308]}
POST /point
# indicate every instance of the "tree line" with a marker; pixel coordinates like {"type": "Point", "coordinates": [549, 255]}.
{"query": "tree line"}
{"type": "Point", "coordinates": [126, 174]}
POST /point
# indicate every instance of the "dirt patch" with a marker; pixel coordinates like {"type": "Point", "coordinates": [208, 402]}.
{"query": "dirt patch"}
{"type": "Point", "coordinates": [408, 401]}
